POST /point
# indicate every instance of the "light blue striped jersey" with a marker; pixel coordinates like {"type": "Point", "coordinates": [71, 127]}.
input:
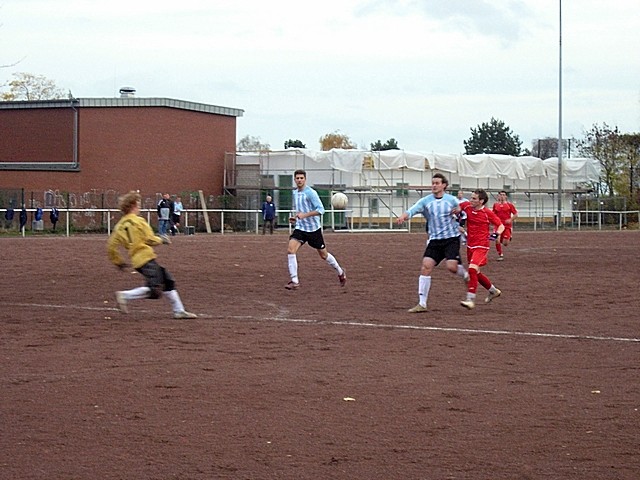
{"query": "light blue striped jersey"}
{"type": "Point", "coordinates": [307, 200]}
{"type": "Point", "coordinates": [441, 223]}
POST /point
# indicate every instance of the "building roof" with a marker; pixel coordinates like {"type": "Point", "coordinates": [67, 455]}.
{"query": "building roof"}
{"type": "Point", "coordinates": [123, 102]}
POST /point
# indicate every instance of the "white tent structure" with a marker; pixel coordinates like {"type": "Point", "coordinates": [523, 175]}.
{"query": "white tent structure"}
{"type": "Point", "coordinates": [381, 185]}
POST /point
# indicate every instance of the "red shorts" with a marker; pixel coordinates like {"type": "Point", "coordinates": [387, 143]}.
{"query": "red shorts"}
{"type": "Point", "coordinates": [477, 256]}
{"type": "Point", "coordinates": [506, 233]}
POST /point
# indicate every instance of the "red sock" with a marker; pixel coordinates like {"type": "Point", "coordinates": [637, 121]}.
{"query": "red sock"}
{"type": "Point", "coordinates": [484, 280]}
{"type": "Point", "coordinates": [473, 281]}
{"type": "Point", "coordinates": [499, 247]}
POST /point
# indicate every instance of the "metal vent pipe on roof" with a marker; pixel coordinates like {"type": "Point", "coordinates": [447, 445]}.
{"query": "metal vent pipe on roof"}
{"type": "Point", "coordinates": [126, 92]}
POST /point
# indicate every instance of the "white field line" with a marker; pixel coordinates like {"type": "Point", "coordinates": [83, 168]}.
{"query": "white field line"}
{"type": "Point", "coordinates": [475, 331]}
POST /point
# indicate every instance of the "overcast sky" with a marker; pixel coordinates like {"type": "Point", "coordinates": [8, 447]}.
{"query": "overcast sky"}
{"type": "Point", "coordinates": [421, 71]}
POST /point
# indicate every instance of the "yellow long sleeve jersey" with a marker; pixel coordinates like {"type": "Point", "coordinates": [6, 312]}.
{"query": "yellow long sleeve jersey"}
{"type": "Point", "coordinates": [134, 234]}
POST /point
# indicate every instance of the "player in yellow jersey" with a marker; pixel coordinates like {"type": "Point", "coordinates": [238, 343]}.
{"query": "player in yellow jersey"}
{"type": "Point", "coordinates": [134, 234]}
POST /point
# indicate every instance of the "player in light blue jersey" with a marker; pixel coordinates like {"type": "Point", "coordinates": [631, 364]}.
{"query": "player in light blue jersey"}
{"type": "Point", "coordinates": [308, 229]}
{"type": "Point", "coordinates": [444, 236]}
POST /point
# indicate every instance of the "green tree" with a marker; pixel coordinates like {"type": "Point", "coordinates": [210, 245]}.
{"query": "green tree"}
{"type": "Point", "coordinates": [493, 137]}
{"type": "Point", "coordinates": [252, 144]}
{"type": "Point", "coordinates": [294, 144]}
{"type": "Point", "coordinates": [27, 86]}
{"type": "Point", "coordinates": [390, 144]}
{"type": "Point", "coordinates": [336, 140]}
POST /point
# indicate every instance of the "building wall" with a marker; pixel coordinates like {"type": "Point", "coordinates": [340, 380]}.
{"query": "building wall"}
{"type": "Point", "coordinates": [36, 135]}
{"type": "Point", "coordinates": [151, 149]}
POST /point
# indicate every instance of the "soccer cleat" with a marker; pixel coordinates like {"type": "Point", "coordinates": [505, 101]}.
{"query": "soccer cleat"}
{"type": "Point", "coordinates": [417, 309]}
{"type": "Point", "coordinates": [122, 302]}
{"type": "Point", "coordinates": [343, 278]}
{"type": "Point", "coordinates": [292, 285]}
{"type": "Point", "coordinates": [165, 239]}
{"type": "Point", "coordinates": [500, 258]}
{"type": "Point", "coordinates": [492, 295]}
{"type": "Point", "coordinates": [184, 315]}
{"type": "Point", "coordinates": [468, 304]}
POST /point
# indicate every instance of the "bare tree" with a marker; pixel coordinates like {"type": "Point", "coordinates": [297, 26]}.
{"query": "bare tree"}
{"type": "Point", "coordinates": [548, 147]}
{"type": "Point", "coordinates": [605, 145]}
{"type": "Point", "coordinates": [28, 86]}
{"type": "Point", "coordinates": [252, 144]}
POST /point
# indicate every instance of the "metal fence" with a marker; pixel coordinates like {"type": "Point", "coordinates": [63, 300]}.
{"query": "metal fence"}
{"type": "Point", "coordinates": [101, 220]}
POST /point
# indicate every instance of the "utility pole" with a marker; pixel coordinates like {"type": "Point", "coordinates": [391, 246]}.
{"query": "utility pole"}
{"type": "Point", "coordinates": [559, 216]}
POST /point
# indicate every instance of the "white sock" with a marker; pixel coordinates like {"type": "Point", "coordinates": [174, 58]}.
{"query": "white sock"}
{"type": "Point", "coordinates": [293, 267]}
{"type": "Point", "coordinates": [471, 296]}
{"type": "Point", "coordinates": [424, 284]}
{"type": "Point", "coordinates": [174, 299]}
{"type": "Point", "coordinates": [461, 271]}
{"type": "Point", "coordinates": [136, 293]}
{"type": "Point", "coordinates": [331, 260]}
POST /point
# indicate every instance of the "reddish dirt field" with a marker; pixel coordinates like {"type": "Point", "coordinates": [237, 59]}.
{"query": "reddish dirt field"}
{"type": "Point", "coordinates": [541, 383]}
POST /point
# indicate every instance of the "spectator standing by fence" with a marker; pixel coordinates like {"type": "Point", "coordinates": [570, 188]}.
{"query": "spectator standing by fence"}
{"type": "Point", "coordinates": [268, 214]}
{"type": "Point", "coordinates": [165, 211]}
{"type": "Point", "coordinates": [176, 216]}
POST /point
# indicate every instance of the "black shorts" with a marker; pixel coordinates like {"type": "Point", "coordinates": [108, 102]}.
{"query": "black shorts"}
{"type": "Point", "coordinates": [157, 277]}
{"type": "Point", "coordinates": [448, 248]}
{"type": "Point", "coordinates": [314, 239]}
{"type": "Point", "coordinates": [175, 218]}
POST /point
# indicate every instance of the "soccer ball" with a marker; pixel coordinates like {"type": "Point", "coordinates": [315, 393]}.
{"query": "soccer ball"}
{"type": "Point", "coordinates": [339, 201]}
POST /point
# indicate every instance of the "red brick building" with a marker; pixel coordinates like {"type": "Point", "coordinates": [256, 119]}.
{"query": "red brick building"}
{"type": "Point", "coordinates": [116, 144]}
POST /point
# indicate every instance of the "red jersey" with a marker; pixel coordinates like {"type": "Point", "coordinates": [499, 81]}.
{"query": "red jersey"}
{"type": "Point", "coordinates": [504, 211]}
{"type": "Point", "coordinates": [478, 222]}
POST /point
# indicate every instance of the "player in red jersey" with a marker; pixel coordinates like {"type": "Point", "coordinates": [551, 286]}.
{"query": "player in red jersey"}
{"type": "Point", "coordinates": [506, 212]}
{"type": "Point", "coordinates": [479, 217]}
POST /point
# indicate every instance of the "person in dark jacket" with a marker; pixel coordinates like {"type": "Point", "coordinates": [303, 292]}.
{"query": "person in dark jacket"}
{"type": "Point", "coordinates": [268, 214]}
{"type": "Point", "coordinates": [165, 211]}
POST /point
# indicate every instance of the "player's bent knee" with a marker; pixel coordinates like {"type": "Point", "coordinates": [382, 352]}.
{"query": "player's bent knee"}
{"type": "Point", "coordinates": [154, 293]}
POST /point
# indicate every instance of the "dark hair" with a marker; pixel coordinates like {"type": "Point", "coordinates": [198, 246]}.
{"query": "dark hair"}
{"type": "Point", "coordinates": [300, 172]}
{"type": "Point", "coordinates": [441, 177]}
{"type": "Point", "coordinates": [503, 191]}
{"type": "Point", "coordinates": [482, 195]}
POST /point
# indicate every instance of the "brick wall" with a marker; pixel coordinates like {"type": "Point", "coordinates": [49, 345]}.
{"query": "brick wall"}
{"type": "Point", "coordinates": [120, 148]}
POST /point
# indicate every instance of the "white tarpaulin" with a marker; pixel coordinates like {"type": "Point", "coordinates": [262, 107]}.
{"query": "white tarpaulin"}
{"type": "Point", "coordinates": [476, 166]}
{"type": "Point", "coordinates": [573, 169]}
{"type": "Point", "coordinates": [472, 166]}
{"type": "Point", "coordinates": [395, 159]}
{"type": "Point", "coordinates": [345, 160]}
{"type": "Point", "coordinates": [507, 166]}
{"type": "Point", "coordinates": [532, 166]}
{"type": "Point", "coordinates": [445, 163]}
{"type": "Point", "coordinates": [490, 166]}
